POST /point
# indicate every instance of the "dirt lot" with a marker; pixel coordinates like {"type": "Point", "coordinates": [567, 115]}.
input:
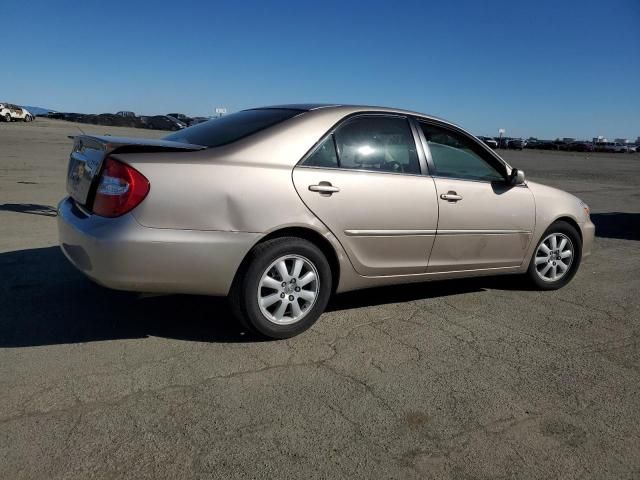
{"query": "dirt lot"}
{"type": "Point", "coordinates": [466, 379]}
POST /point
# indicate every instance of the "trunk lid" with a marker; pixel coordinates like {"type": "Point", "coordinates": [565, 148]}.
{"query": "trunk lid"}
{"type": "Point", "coordinates": [89, 152]}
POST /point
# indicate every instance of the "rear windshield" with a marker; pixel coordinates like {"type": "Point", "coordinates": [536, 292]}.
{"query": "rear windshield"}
{"type": "Point", "coordinates": [230, 128]}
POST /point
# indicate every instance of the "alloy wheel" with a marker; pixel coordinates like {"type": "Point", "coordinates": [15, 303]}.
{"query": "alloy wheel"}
{"type": "Point", "coordinates": [554, 257]}
{"type": "Point", "coordinates": [288, 289]}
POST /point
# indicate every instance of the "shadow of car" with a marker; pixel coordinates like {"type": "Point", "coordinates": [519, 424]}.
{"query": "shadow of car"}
{"type": "Point", "coordinates": [46, 301]}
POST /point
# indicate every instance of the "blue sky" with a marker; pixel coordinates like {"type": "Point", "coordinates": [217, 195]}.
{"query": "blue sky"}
{"type": "Point", "coordinates": [543, 68]}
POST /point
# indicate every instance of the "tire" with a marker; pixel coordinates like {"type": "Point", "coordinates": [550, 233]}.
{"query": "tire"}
{"type": "Point", "coordinates": [28, 118]}
{"type": "Point", "coordinates": [542, 264]}
{"type": "Point", "coordinates": [7, 118]}
{"type": "Point", "coordinates": [260, 267]}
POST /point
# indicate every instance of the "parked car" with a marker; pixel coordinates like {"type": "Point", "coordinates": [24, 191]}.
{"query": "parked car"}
{"type": "Point", "coordinates": [56, 115]}
{"type": "Point", "coordinates": [502, 142]}
{"type": "Point", "coordinates": [125, 113]}
{"type": "Point", "coordinates": [163, 122]}
{"type": "Point", "coordinates": [580, 147]}
{"type": "Point", "coordinates": [610, 147]}
{"type": "Point", "coordinates": [183, 124]}
{"type": "Point", "coordinates": [547, 145]}
{"type": "Point", "coordinates": [515, 144]}
{"type": "Point", "coordinates": [280, 207]}
{"type": "Point", "coordinates": [111, 119]}
{"type": "Point", "coordinates": [489, 141]}
{"type": "Point", "coordinates": [181, 117]}
{"type": "Point", "coordinates": [14, 113]}
{"type": "Point", "coordinates": [197, 120]}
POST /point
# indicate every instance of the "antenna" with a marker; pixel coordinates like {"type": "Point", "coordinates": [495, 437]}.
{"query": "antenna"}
{"type": "Point", "coordinates": [80, 130]}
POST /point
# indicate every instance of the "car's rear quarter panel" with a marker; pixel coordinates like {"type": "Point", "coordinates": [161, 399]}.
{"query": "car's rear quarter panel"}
{"type": "Point", "coordinates": [246, 186]}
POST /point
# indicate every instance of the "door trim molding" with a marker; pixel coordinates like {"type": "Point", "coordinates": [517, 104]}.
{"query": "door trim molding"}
{"type": "Point", "coordinates": [400, 233]}
{"type": "Point", "coordinates": [481, 232]}
{"type": "Point", "coordinates": [388, 233]}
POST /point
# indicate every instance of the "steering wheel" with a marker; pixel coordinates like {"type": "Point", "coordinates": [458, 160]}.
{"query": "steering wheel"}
{"type": "Point", "coordinates": [393, 166]}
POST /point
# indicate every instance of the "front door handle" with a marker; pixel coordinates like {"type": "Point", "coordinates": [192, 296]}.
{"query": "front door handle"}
{"type": "Point", "coordinates": [324, 188]}
{"type": "Point", "coordinates": [451, 196]}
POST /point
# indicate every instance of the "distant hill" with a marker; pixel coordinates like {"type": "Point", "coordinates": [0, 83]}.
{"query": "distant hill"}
{"type": "Point", "coordinates": [38, 110]}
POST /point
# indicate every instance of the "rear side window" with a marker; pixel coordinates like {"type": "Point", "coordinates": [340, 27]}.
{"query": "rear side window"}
{"type": "Point", "coordinates": [457, 156]}
{"type": "Point", "coordinates": [230, 128]}
{"type": "Point", "coordinates": [377, 143]}
{"type": "Point", "coordinates": [324, 155]}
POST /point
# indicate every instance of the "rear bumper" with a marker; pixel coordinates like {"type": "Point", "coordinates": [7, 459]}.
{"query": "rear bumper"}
{"type": "Point", "coordinates": [588, 235]}
{"type": "Point", "coordinates": [120, 253]}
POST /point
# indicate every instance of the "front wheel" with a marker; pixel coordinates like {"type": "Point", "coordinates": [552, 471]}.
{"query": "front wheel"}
{"type": "Point", "coordinates": [556, 258]}
{"type": "Point", "coordinates": [282, 288]}
{"type": "Point", "coordinates": [7, 118]}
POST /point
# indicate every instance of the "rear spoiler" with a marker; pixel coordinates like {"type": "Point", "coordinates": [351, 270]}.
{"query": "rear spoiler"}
{"type": "Point", "coordinates": [111, 144]}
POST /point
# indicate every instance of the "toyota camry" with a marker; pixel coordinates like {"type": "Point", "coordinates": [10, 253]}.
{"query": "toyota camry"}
{"type": "Point", "coordinates": [280, 207]}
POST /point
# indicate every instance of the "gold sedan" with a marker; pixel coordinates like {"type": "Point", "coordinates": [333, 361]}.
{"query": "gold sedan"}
{"type": "Point", "coordinates": [280, 207]}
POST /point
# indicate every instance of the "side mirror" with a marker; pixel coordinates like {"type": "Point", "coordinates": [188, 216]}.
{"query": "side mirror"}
{"type": "Point", "coordinates": [516, 177]}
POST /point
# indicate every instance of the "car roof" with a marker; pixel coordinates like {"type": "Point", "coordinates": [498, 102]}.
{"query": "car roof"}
{"type": "Point", "coordinates": [305, 107]}
{"type": "Point", "coordinates": [351, 109]}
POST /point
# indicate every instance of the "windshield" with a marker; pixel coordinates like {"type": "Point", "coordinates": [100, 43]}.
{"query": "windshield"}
{"type": "Point", "coordinates": [230, 128]}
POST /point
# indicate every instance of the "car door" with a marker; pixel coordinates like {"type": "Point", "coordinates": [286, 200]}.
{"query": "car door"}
{"type": "Point", "coordinates": [485, 222]}
{"type": "Point", "coordinates": [364, 182]}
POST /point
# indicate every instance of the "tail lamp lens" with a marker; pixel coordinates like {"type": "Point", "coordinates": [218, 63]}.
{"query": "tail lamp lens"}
{"type": "Point", "coordinates": [121, 189]}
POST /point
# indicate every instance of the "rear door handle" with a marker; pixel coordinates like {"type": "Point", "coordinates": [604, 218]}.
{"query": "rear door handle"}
{"type": "Point", "coordinates": [324, 188]}
{"type": "Point", "coordinates": [451, 196]}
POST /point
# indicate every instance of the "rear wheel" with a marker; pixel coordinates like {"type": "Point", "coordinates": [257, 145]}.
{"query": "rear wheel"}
{"type": "Point", "coordinates": [556, 257]}
{"type": "Point", "coordinates": [282, 288]}
{"type": "Point", "coordinates": [7, 118]}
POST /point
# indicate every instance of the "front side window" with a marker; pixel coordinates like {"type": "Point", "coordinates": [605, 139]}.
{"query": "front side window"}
{"type": "Point", "coordinates": [456, 156]}
{"type": "Point", "coordinates": [377, 143]}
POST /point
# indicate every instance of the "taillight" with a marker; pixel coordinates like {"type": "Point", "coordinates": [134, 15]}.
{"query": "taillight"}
{"type": "Point", "coordinates": [120, 190]}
